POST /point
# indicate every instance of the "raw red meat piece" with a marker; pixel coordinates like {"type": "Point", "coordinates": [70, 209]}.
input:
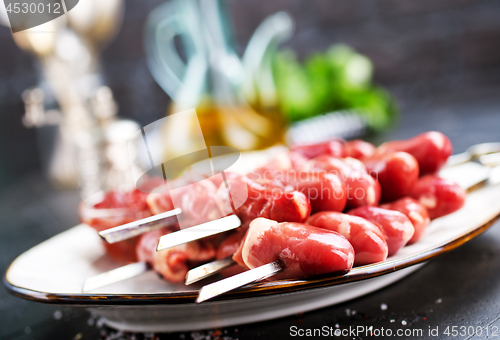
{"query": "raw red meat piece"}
{"type": "Point", "coordinates": [396, 172]}
{"type": "Point", "coordinates": [325, 191]}
{"type": "Point", "coordinates": [118, 208]}
{"type": "Point", "coordinates": [359, 149]}
{"type": "Point", "coordinates": [199, 203]}
{"type": "Point", "coordinates": [303, 250]}
{"type": "Point", "coordinates": [361, 188]}
{"type": "Point", "coordinates": [333, 147]}
{"type": "Point", "coordinates": [397, 228]}
{"type": "Point", "coordinates": [415, 211]}
{"type": "Point", "coordinates": [440, 196]}
{"type": "Point", "coordinates": [431, 150]}
{"type": "Point", "coordinates": [366, 238]}
{"type": "Point", "coordinates": [253, 200]}
{"type": "Point", "coordinates": [228, 247]}
{"type": "Point", "coordinates": [173, 263]}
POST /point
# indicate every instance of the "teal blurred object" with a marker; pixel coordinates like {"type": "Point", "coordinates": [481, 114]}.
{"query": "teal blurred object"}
{"type": "Point", "coordinates": [211, 68]}
{"type": "Point", "coordinates": [234, 98]}
{"type": "Point", "coordinates": [338, 79]}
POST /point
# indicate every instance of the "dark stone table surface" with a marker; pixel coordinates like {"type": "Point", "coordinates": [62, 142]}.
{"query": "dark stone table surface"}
{"type": "Point", "coordinates": [460, 288]}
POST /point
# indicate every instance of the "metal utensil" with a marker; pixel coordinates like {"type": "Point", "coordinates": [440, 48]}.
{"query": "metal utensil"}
{"type": "Point", "coordinates": [132, 229]}
{"type": "Point", "coordinates": [473, 153]}
{"type": "Point", "coordinates": [198, 232]}
{"type": "Point", "coordinates": [115, 275]}
{"type": "Point", "coordinates": [208, 269]}
{"type": "Point", "coordinates": [223, 286]}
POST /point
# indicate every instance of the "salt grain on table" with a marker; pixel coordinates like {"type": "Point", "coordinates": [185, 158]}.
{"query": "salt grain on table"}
{"type": "Point", "coordinates": [58, 315]}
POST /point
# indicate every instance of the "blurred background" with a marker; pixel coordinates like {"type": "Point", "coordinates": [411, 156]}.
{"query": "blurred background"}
{"type": "Point", "coordinates": [436, 63]}
{"type": "Point", "coordinates": [426, 54]}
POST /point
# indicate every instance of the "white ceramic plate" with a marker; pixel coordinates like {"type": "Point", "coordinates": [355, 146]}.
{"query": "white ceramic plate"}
{"type": "Point", "coordinates": [55, 270]}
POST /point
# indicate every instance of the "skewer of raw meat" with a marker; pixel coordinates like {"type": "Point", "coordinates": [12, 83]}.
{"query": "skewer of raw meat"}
{"type": "Point", "coordinates": [280, 205]}
{"type": "Point", "coordinates": [337, 149]}
{"type": "Point", "coordinates": [367, 239]}
{"type": "Point", "coordinates": [285, 250]}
